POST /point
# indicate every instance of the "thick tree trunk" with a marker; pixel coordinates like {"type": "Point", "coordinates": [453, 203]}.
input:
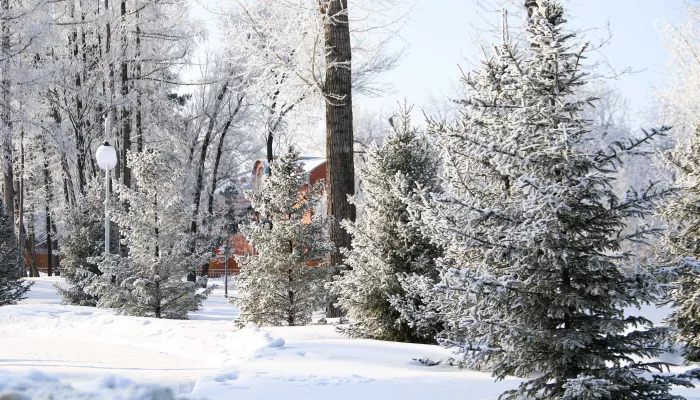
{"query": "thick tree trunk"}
{"type": "Point", "coordinates": [215, 170]}
{"type": "Point", "coordinates": [108, 46]}
{"type": "Point", "coordinates": [68, 191]}
{"type": "Point", "coordinates": [139, 118]}
{"type": "Point", "coordinates": [48, 195]}
{"type": "Point", "coordinates": [49, 243]}
{"type": "Point", "coordinates": [29, 252]}
{"type": "Point", "coordinates": [340, 169]}
{"type": "Point", "coordinates": [30, 242]}
{"type": "Point", "coordinates": [56, 259]}
{"type": "Point", "coordinates": [126, 113]}
{"type": "Point", "coordinates": [30, 246]}
{"type": "Point", "coordinates": [270, 154]}
{"type": "Point", "coordinates": [108, 86]}
{"type": "Point", "coordinates": [6, 124]}
{"type": "Point", "coordinates": [78, 123]}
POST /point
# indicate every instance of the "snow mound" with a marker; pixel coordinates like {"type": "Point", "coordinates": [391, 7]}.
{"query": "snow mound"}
{"type": "Point", "coordinates": [34, 384]}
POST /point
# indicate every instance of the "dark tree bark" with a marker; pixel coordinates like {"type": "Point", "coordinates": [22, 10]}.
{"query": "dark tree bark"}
{"type": "Point", "coordinates": [68, 192]}
{"type": "Point", "coordinates": [5, 120]}
{"type": "Point", "coordinates": [110, 64]}
{"type": "Point", "coordinates": [47, 209]}
{"type": "Point", "coordinates": [30, 247]}
{"type": "Point", "coordinates": [56, 259]}
{"type": "Point", "coordinates": [139, 118]}
{"type": "Point", "coordinates": [206, 141]}
{"type": "Point", "coordinates": [126, 113]}
{"type": "Point", "coordinates": [219, 153]}
{"type": "Point", "coordinates": [340, 169]}
{"type": "Point", "coordinates": [21, 190]}
{"type": "Point", "coordinates": [77, 118]}
{"type": "Point", "coordinates": [277, 112]}
{"type": "Point", "coordinates": [199, 183]}
{"type": "Point", "coordinates": [270, 154]}
{"type": "Point", "coordinates": [215, 170]}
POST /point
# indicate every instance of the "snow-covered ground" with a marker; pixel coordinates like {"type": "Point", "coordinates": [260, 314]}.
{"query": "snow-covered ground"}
{"type": "Point", "coordinates": [207, 357]}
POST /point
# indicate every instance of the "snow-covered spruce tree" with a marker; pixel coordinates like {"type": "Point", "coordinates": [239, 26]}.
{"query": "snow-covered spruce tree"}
{"type": "Point", "coordinates": [13, 286]}
{"type": "Point", "coordinates": [681, 245]}
{"type": "Point", "coordinates": [82, 241]}
{"type": "Point", "coordinates": [385, 245]}
{"type": "Point", "coordinates": [532, 230]}
{"type": "Point", "coordinates": [153, 221]}
{"type": "Point", "coordinates": [283, 281]}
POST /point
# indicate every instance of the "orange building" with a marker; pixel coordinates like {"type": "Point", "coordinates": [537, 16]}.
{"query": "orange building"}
{"type": "Point", "coordinates": [315, 166]}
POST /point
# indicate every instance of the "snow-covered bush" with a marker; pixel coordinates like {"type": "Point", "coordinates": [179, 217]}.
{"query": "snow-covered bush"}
{"type": "Point", "coordinates": [532, 230]}
{"type": "Point", "coordinates": [153, 221]}
{"type": "Point", "coordinates": [82, 241]}
{"type": "Point", "coordinates": [681, 246]}
{"type": "Point", "coordinates": [385, 244]}
{"type": "Point", "coordinates": [12, 283]}
{"type": "Point", "coordinates": [282, 282]}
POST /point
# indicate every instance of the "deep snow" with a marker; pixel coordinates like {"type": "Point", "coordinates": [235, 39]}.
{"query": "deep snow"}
{"type": "Point", "coordinates": [207, 357]}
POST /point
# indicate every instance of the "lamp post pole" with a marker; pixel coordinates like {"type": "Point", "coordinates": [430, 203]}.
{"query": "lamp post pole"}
{"type": "Point", "coordinates": [226, 254]}
{"type": "Point", "coordinates": [107, 159]}
{"type": "Point", "coordinates": [107, 210]}
{"type": "Point", "coordinates": [108, 123]}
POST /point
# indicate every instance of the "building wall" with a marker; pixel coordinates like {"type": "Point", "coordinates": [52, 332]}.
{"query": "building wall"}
{"type": "Point", "coordinates": [318, 174]}
{"type": "Point", "coordinates": [240, 246]}
{"type": "Point", "coordinates": [238, 242]}
{"type": "Point", "coordinates": [42, 262]}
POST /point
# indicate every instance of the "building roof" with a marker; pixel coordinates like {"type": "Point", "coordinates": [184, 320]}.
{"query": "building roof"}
{"type": "Point", "coordinates": [309, 164]}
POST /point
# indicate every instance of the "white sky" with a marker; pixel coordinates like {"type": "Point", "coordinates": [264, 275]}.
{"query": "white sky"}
{"type": "Point", "coordinates": [441, 36]}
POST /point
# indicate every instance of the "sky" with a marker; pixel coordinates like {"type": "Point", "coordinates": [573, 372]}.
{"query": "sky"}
{"type": "Point", "coordinates": [443, 35]}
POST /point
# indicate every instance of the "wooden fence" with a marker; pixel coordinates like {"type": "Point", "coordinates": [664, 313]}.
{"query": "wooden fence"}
{"type": "Point", "coordinates": [42, 262]}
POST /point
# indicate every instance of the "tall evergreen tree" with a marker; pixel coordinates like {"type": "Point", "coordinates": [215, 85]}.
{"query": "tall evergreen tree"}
{"type": "Point", "coordinates": [149, 279]}
{"type": "Point", "coordinates": [82, 241]}
{"type": "Point", "coordinates": [531, 278]}
{"type": "Point", "coordinates": [681, 245]}
{"type": "Point", "coordinates": [282, 282]}
{"type": "Point", "coordinates": [13, 287]}
{"type": "Point", "coordinates": [385, 244]}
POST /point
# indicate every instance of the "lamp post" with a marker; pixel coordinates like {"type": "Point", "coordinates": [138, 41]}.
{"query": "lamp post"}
{"type": "Point", "coordinates": [227, 252]}
{"type": "Point", "coordinates": [107, 159]}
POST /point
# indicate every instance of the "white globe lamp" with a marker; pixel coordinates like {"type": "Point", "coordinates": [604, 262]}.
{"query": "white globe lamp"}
{"type": "Point", "coordinates": [106, 156]}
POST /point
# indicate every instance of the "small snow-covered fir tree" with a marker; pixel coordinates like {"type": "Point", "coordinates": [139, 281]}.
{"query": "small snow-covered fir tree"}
{"type": "Point", "coordinates": [13, 286]}
{"type": "Point", "coordinates": [81, 243]}
{"type": "Point", "coordinates": [532, 229]}
{"type": "Point", "coordinates": [153, 221]}
{"type": "Point", "coordinates": [282, 282]}
{"type": "Point", "coordinates": [681, 244]}
{"type": "Point", "coordinates": [385, 244]}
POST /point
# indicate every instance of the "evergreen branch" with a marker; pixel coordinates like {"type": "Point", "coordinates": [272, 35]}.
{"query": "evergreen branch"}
{"type": "Point", "coordinates": [619, 148]}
